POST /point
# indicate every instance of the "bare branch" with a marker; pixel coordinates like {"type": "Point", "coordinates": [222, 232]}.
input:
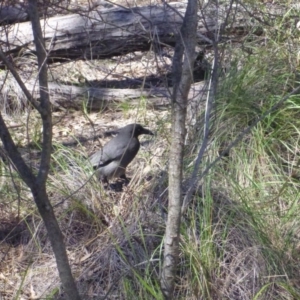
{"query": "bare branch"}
{"type": "Point", "coordinates": [15, 155]}
{"type": "Point", "coordinates": [45, 107]}
{"type": "Point", "coordinates": [11, 68]}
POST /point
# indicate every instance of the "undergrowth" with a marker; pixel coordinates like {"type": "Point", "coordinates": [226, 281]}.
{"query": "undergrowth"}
{"type": "Point", "coordinates": [240, 235]}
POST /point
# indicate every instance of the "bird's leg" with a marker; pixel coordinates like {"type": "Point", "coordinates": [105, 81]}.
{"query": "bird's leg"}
{"type": "Point", "coordinates": [125, 179]}
{"type": "Point", "coordinates": [104, 180]}
{"type": "Point", "coordinates": [106, 185]}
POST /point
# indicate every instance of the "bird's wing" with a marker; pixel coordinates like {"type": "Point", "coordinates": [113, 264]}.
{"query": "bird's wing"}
{"type": "Point", "coordinates": [112, 151]}
{"type": "Point", "coordinates": [99, 159]}
{"type": "Point", "coordinates": [96, 163]}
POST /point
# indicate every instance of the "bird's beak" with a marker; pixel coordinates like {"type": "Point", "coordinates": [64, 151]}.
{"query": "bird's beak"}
{"type": "Point", "coordinates": [147, 131]}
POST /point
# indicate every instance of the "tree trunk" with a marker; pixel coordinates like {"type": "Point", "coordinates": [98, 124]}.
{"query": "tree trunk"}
{"type": "Point", "coordinates": [38, 189]}
{"type": "Point", "coordinates": [183, 62]}
{"type": "Point", "coordinates": [37, 184]}
{"type": "Point", "coordinates": [56, 239]}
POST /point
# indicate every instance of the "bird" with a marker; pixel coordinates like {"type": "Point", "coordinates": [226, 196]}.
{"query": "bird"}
{"type": "Point", "coordinates": [111, 161]}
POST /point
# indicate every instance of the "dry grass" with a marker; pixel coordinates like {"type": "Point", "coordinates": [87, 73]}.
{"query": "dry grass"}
{"type": "Point", "coordinates": [109, 235]}
{"type": "Point", "coordinates": [239, 237]}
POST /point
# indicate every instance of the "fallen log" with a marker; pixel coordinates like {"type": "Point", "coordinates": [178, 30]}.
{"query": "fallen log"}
{"type": "Point", "coordinates": [70, 96]}
{"type": "Point", "coordinates": [12, 12]}
{"type": "Point", "coordinates": [107, 32]}
{"type": "Point", "coordinates": [102, 33]}
{"type": "Point", "coordinates": [102, 98]}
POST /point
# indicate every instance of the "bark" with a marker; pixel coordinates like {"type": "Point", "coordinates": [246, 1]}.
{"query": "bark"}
{"type": "Point", "coordinates": [183, 62]}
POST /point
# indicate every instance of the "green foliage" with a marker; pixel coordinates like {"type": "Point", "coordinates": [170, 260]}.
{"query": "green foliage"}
{"type": "Point", "coordinates": [242, 229]}
{"type": "Point", "coordinates": [240, 236]}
